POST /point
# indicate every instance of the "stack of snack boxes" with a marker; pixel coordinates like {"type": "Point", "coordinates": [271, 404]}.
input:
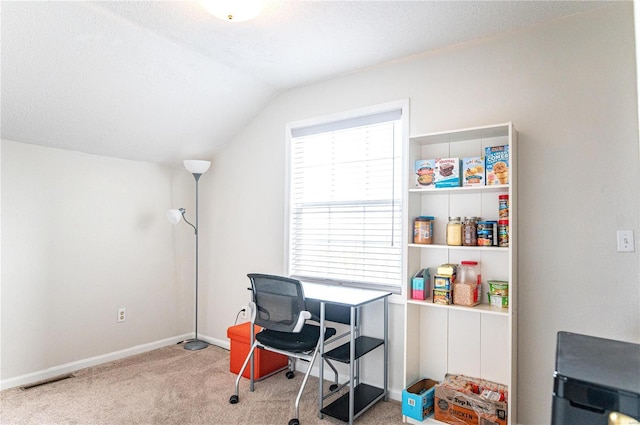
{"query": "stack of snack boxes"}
{"type": "Point", "coordinates": [465, 400]}
{"type": "Point", "coordinates": [443, 282]}
{"type": "Point", "coordinates": [492, 169]}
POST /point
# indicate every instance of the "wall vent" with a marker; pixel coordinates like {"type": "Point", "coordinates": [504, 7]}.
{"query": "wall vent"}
{"type": "Point", "coordinates": [47, 381]}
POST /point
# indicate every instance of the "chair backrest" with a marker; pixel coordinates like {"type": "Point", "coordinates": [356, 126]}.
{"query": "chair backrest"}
{"type": "Point", "coordinates": [279, 301]}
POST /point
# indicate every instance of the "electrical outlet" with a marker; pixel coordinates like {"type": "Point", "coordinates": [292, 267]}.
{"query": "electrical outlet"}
{"type": "Point", "coordinates": [244, 311]}
{"type": "Point", "coordinates": [122, 315]}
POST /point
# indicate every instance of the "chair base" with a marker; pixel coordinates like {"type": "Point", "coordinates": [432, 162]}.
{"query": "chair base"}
{"type": "Point", "coordinates": [196, 344]}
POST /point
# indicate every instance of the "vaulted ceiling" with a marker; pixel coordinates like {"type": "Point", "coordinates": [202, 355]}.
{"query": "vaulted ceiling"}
{"type": "Point", "coordinates": [163, 80]}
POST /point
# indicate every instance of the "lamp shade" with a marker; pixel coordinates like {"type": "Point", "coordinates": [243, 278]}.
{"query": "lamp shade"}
{"type": "Point", "coordinates": [196, 166]}
{"type": "Point", "coordinates": [174, 216]}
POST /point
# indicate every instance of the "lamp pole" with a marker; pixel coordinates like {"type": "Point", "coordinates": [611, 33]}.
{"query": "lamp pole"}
{"type": "Point", "coordinates": [197, 168]}
{"type": "Point", "coordinates": [196, 344]}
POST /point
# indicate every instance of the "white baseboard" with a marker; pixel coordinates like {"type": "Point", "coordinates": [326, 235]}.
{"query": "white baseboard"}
{"type": "Point", "coordinates": [138, 349]}
{"type": "Point", "coordinates": [52, 372]}
{"type": "Point", "coordinates": [222, 343]}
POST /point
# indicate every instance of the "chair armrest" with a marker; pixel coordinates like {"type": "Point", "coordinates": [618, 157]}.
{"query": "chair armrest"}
{"type": "Point", "coordinates": [252, 311]}
{"type": "Point", "coordinates": [304, 316]}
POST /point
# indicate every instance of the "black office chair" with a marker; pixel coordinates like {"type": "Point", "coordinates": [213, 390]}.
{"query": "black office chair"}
{"type": "Point", "coordinates": [279, 307]}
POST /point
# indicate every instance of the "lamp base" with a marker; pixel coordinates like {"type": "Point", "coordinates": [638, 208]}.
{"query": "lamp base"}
{"type": "Point", "coordinates": [195, 344]}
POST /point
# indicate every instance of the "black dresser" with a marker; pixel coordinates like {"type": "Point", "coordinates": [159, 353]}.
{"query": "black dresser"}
{"type": "Point", "coordinates": [594, 377]}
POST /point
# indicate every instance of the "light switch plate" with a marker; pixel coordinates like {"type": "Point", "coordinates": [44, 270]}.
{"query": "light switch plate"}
{"type": "Point", "coordinates": [625, 241]}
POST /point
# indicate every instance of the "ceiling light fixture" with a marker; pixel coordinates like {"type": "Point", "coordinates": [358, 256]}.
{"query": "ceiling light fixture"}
{"type": "Point", "coordinates": [234, 10]}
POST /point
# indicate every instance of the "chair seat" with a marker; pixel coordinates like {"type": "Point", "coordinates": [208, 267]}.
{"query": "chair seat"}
{"type": "Point", "coordinates": [279, 306]}
{"type": "Point", "coordinates": [305, 340]}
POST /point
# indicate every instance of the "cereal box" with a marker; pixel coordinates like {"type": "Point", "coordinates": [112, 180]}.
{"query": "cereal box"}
{"type": "Point", "coordinates": [473, 171]}
{"type": "Point", "coordinates": [497, 165]}
{"type": "Point", "coordinates": [447, 172]}
{"type": "Point", "coordinates": [425, 169]}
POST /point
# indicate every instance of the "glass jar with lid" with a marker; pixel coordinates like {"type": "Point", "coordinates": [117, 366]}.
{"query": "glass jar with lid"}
{"type": "Point", "coordinates": [470, 231]}
{"type": "Point", "coordinates": [454, 231]}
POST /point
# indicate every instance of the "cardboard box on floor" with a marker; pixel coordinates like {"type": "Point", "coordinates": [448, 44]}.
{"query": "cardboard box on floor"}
{"type": "Point", "coordinates": [417, 399]}
{"type": "Point", "coordinates": [458, 408]}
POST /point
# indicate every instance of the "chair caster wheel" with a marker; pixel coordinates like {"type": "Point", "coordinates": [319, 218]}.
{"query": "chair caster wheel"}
{"type": "Point", "coordinates": [233, 399]}
{"type": "Point", "coordinates": [333, 387]}
{"type": "Point", "coordinates": [294, 422]}
{"type": "Point", "coordinates": [289, 375]}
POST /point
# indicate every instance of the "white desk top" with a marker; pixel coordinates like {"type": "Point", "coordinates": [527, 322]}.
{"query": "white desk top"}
{"type": "Point", "coordinates": [342, 295]}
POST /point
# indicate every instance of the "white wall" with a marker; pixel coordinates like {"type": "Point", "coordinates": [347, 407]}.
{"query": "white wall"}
{"type": "Point", "coordinates": [570, 89]}
{"type": "Point", "coordinates": [83, 235]}
{"type": "Point", "coordinates": [636, 22]}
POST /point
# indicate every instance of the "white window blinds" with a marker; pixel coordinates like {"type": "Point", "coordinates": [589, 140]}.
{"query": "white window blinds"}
{"type": "Point", "coordinates": [345, 201]}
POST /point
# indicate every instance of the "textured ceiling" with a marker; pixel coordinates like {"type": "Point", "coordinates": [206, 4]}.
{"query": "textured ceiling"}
{"type": "Point", "coordinates": [163, 80]}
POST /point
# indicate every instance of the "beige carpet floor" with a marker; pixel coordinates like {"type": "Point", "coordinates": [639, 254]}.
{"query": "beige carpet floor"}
{"type": "Point", "coordinates": [171, 386]}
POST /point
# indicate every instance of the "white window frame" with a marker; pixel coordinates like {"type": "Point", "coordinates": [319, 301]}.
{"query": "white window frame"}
{"type": "Point", "coordinates": [403, 106]}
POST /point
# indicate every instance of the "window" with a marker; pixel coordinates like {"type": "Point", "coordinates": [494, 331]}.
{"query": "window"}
{"type": "Point", "coordinates": [345, 199]}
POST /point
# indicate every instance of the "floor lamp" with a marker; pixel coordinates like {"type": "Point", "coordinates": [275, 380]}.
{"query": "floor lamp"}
{"type": "Point", "coordinates": [197, 168]}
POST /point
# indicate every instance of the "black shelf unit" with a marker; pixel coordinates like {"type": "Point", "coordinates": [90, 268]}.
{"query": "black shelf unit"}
{"type": "Point", "coordinates": [364, 344]}
{"type": "Point", "coordinates": [364, 395]}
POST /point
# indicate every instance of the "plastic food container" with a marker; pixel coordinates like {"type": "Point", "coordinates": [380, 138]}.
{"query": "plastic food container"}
{"type": "Point", "coordinates": [423, 230]}
{"type": "Point", "coordinates": [469, 272]}
{"type": "Point", "coordinates": [499, 301]}
{"type": "Point", "coordinates": [499, 287]}
{"type": "Point", "coordinates": [466, 294]}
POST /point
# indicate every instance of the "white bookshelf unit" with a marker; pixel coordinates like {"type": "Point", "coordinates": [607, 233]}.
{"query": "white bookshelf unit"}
{"type": "Point", "coordinates": [478, 341]}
